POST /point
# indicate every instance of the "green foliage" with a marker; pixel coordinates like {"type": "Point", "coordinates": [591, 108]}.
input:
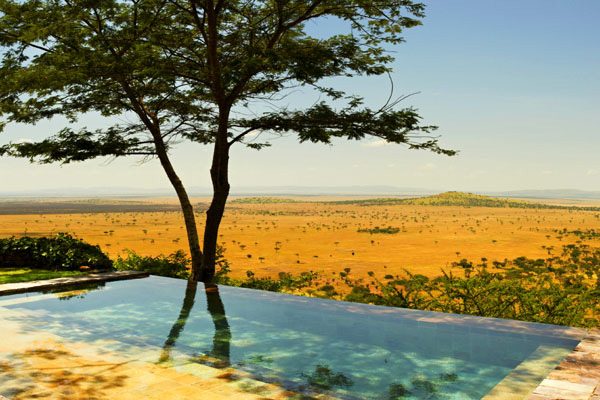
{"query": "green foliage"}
{"type": "Point", "coordinates": [390, 230]}
{"type": "Point", "coordinates": [174, 265]}
{"type": "Point", "coordinates": [61, 252]}
{"type": "Point", "coordinates": [285, 282]}
{"type": "Point", "coordinates": [181, 68]}
{"type": "Point", "coordinates": [467, 200]}
{"type": "Point", "coordinates": [588, 234]}
{"type": "Point", "coordinates": [561, 289]}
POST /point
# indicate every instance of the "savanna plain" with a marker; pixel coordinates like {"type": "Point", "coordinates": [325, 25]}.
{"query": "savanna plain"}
{"type": "Point", "coordinates": [270, 235]}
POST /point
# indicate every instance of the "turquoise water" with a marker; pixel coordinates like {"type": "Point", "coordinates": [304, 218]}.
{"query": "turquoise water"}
{"type": "Point", "coordinates": [350, 351]}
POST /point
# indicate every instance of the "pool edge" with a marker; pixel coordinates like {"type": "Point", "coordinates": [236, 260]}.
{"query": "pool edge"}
{"type": "Point", "coordinates": [35, 286]}
{"type": "Point", "coordinates": [577, 377]}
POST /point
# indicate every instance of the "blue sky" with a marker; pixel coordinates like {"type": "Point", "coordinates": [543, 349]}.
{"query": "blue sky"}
{"type": "Point", "coordinates": [513, 85]}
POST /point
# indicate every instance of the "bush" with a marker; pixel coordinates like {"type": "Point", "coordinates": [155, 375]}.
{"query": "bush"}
{"type": "Point", "coordinates": [562, 289]}
{"type": "Point", "coordinates": [174, 265]}
{"type": "Point", "coordinates": [390, 230]}
{"type": "Point", "coordinates": [62, 252]}
{"type": "Point", "coordinates": [284, 283]}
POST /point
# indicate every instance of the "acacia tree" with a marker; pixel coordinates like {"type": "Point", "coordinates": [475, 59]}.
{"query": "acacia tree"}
{"type": "Point", "coordinates": [187, 70]}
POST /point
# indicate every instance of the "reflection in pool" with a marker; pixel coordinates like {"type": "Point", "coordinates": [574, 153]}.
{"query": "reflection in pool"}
{"type": "Point", "coordinates": [349, 351]}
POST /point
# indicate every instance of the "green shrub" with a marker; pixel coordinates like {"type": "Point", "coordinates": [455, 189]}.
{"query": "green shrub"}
{"type": "Point", "coordinates": [285, 282]}
{"type": "Point", "coordinates": [390, 230]}
{"type": "Point", "coordinates": [174, 265]}
{"type": "Point", "coordinates": [62, 252]}
{"type": "Point", "coordinates": [562, 290]}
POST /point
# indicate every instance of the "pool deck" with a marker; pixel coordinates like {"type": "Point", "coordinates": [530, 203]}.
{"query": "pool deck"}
{"type": "Point", "coordinates": [577, 377]}
{"type": "Point", "coordinates": [34, 286]}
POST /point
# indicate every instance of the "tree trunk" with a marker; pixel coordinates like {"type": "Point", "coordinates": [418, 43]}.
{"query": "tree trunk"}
{"type": "Point", "coordinates": [186, 208]}
{"type": "Point", "coordinates": [219, 173]}
{"type": "Point", "coordinates": [152, 123]}
{"type": "Point", "coordinates": [192, 235]}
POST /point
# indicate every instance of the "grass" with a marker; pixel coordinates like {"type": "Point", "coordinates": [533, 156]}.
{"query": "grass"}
{"type": "Point", "coordinates": [14, 275]}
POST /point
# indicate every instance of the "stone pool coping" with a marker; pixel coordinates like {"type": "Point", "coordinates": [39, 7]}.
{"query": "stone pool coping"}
{"type": "Point", "coordinates": [577, 377]}
{"type": "Point", "coordinates": [56, 283]}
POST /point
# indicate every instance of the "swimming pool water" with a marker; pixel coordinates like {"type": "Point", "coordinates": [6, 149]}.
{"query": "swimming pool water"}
{"type": "Point", "coordinates": [350, 351]}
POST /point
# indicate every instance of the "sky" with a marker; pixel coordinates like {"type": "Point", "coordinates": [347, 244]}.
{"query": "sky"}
{"type": "Point", "coordinates": [513, 85]}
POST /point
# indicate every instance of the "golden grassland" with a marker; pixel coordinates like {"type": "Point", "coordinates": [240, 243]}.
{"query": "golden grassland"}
{"type": "Point", "coordinates": [320, 236]}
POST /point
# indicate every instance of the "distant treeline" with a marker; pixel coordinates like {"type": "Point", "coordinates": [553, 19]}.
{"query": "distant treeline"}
{"type": "Point", "coordinates": [81, 207]}
{"type": "Point", "coordinates": [262, 200]}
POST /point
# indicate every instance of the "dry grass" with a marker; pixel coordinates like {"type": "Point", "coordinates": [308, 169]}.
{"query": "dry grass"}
{"type": "Point", "coordinates": [295, 237]}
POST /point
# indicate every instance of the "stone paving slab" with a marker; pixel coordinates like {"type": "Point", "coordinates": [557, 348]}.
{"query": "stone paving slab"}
{"type": "Point", "coordinates": [520, 382]}
{"type": "Point", "coordinates": [35, 286]}
{"type": "Point", "coordinates": [42, 365]}
{"type": "Point", "coordinates": [577, 377]}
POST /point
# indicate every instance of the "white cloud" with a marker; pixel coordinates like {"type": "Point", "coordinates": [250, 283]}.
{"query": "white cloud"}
{"type": "Point", "coordinates": [592, 172]}
{"type": "Point", "coordinates": [376, 143]}
{"type": "Point", "coordinates": [547, 172]}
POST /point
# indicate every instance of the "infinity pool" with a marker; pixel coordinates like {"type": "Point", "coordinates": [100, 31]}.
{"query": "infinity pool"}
{"type": "Point", "coordinates": [309, 346]}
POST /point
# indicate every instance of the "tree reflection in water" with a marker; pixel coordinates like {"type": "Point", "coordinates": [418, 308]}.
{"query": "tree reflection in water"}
{"type": "Point", "coordinates": [222, 336]}
{"type": "Point", "coordinates": [219, 356]}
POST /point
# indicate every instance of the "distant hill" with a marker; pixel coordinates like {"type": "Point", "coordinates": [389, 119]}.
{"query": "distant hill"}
{"type": "Point", "coordinates": [461, 199]}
